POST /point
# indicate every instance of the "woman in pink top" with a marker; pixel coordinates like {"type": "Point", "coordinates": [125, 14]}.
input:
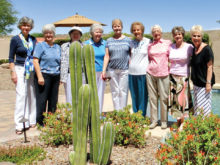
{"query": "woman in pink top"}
{"type": "Point", "coordinates": [157, 76]}
{"type": "Point", "coordinates": [179, 100]}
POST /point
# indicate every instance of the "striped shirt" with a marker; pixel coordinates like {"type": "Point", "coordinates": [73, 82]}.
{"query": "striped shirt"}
{"type": "Point", "coordinates": [119, 51]}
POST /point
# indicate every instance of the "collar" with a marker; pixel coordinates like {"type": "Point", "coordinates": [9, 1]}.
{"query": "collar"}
{"type": "Point", "coordinates": [47, 45]}
{"type": "Point", "coordinates": [160, 41]}
{"type": "Point", "coordinates": [91, 42]}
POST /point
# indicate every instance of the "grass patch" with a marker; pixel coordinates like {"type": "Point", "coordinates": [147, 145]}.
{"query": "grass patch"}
{"type": "Point", "coordinates": [21, 154]}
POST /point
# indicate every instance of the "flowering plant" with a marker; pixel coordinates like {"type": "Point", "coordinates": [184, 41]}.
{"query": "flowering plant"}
{"type": "Point", "coordinates": [129, 128]}
{"type": "Point", "coordinates": [57, 126]}
{"type": "Point", "coordinates": [197, 143]}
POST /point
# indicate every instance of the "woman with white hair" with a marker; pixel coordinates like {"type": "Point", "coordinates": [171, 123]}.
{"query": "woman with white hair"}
{"type": "Point", "coordinates": [47, 67]}
{"type": "Point", "coordinates": [158, 76]}
{"type": "Point", "coordinates": [98, 45]}
{"type": "Point", "coordinates": [21, 66]}
{"type": "Point", "coordinates": [202, 74]}
{"type": "Point", "coordinates": [75, 34]}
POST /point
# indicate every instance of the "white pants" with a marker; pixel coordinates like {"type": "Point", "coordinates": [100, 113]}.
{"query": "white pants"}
{"type": "Point", "coordinates": [101, 89]}
{"type": "Point", "coordinates": [67, 87]}
{"type": "Point", "coordinates": [25, 99]}
{"type": "Point", "coordinates": [119, 88]}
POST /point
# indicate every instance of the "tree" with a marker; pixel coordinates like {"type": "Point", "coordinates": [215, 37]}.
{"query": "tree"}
{"type": "Point", "coordinates": [7, 16]}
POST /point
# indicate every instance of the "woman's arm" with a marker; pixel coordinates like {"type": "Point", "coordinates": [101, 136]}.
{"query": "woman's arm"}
{"type": "Point", "coordinates": [38, 72]}
{"type": "Point", "coordinates": [105, 63]}
{"type": "Point", "coordinates": [13, 73]}
{"type": "Point", "coordinates": [209, 76]}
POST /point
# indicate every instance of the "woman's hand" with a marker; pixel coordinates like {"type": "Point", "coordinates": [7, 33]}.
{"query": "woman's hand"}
{"type": "Point", "coordinates": [41, 81]}
{"type": "Point", "coordinates": [103, 75]}
{"type": "Point", "coordinates": [14, 77]}
{"type": "Point", "coordinates": [208, 87]}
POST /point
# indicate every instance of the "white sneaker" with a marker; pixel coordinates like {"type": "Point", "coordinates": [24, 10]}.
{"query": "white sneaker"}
{"type": "Point", "coordinates": [153, 125]}
{"type": "Point", "coordinates": [164, 125]}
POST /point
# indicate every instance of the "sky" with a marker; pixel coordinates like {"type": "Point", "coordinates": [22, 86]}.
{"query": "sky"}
{"type": "Point", "coordinates": [166, 13]}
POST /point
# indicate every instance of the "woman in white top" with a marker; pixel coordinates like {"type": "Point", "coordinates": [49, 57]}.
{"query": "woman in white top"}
{"type": "Point", "coordinates": [180, 101]}
{"type": "Point", "coordinates": [137, 68]}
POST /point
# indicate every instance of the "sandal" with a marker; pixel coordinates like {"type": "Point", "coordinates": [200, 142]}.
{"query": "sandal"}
{"type": "Point", "coordinates": [18, 132]}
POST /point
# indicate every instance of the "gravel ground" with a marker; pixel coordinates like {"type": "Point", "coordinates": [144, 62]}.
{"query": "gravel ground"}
{"type": "Point", "coordinates": [120, 155]}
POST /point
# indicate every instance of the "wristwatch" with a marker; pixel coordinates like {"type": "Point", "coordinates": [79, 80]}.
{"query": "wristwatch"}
{"type": "Point", "coordinates": [208, 82]}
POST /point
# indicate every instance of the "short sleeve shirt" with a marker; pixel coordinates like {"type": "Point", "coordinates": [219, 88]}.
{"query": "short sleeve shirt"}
{"type": "Point", "coordinates": [199, 66]}
{"type": "Point", "coordinates": [158, 52]}
{"type": "Point", "coordinates": [179, 59]}
{"type": "Point", "coordinates": [119, 51]}
{"type": "Point", "coordinates": [99, 49]}
{"type": "Point", "coordinates": [139, 57]}
{"type": "Point", "coordinates": [49, 57]}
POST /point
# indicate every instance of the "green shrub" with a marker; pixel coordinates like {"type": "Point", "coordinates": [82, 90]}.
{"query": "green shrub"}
{"type": "Point", "coordinates": [148, 36]}
{"type": "Point", "coordinates": [2, 61]}
{"type": "Point", "coordinates": [205, 38]}
{"type": "Point", "coordinates": [61, 41]}
{"type": "Point", "coordinates": [22, 154]}
{"type": "Point", "coordinates": [37, 34]}
{"type": "Point", "coordinates": [197, 143]}
{"type": "Point", "coordinates": [129, 128]}
{"type": "Point", "coordinates": [57, 127]}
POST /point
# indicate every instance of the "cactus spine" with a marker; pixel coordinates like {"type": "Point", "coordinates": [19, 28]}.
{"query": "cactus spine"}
{"type": "Point", "coordinates": [100, 151]}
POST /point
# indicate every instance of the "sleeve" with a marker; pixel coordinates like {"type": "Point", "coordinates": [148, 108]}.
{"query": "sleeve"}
{"type": "Point", "coordinates": [38, 51]}
{"type": "Point", "coordinates": [64, 63]}
{"type": "Point", "coordinates": [12, 50]}
{"type": "Point", "coordinates": [209, 54]}
{"type": "Point", "coordinates": [106, 45]}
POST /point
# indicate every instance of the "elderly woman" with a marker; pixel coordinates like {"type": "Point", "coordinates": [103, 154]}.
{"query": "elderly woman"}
{"type": "Point", "coordinates": [116, 59]}
{"type": "Point", "coordinates": [98, 44]}
{"type": "Point", "coordinates": [75, 34]}
{"type": "Point", "coordinates": [21, 65]}
{"type": "Point", "coordinates": [137, 68]}
{"type": "Point", "coordinates": [180, 100]}
{"type": "Point", "coordinates": [157, 76]}
{"type": "Point", "coordinates": [47, 67]}
{"type": "Point", "coordinates": [202, 74]}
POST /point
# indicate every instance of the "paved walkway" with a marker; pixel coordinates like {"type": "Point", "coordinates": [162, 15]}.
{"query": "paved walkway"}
{"type": "Point", "coordinates": [7, 128]}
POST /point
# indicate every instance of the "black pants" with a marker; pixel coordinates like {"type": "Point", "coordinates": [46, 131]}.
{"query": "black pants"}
{"type": "Point", "coordinates": [46, 94]}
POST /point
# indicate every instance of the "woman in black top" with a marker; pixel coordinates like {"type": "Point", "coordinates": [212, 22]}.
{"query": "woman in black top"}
{"type": "Point", "coordinates": [21, 65]}
{"type": "Point", "coordinates": [202, 74]}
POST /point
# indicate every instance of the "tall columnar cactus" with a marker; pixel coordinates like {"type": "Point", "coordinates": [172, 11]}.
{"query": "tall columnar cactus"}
{"type": "Point", "coordinates": [80, 155]}
{"type": "Point", "coordinates": [75, 62]}
{"type": "Point", "coordinates": [100, 148]}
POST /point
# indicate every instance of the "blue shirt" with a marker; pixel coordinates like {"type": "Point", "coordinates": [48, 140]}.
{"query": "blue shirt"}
{"type": "Point", "coordinates": [18, 51]}
{"type": "Point", "coordinates": [99, 49]}
{"type": "Point", "coordinates": [49, 57]}
{"type": "Point", "coordinates": [119, 51]}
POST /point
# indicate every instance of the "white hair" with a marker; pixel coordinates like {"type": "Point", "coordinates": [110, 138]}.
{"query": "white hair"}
{"type": "Point", "coordinates": [196, 28]}
{"type": "Point", "coordinates": [94, 27]}
{"type": "Point", "coordinates": [156, 27]}
{"type": "Point", "coordinates": [26, 20]}
{"type": "Point", "coordinates": [49, 27]}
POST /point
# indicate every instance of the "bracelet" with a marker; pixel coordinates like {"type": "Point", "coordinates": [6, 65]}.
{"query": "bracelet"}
{"type": "Point", "coordinates": [208, 82]}
{"type": "Point", "coordinates": [13, 70]}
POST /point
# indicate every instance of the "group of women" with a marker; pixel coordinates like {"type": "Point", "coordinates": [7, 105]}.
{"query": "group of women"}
{"type": "Point", "coordinates": [158, 69]}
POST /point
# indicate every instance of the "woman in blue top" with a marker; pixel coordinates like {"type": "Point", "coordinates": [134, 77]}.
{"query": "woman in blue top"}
{"type": "Point", "coordinates": [116, 59]}
{"type": "Point", "coordinates": [21, 65]}
{"type": "Point", "coordinates": [98, 45]}
{"type": "Point", "coordinates": [47, 67]}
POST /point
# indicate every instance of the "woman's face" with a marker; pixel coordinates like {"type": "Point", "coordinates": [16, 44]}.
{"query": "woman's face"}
{"type": "Point", "coordinates": [25, 29]}
{"type": "Point", "coordinates": [196, 39]}
{"type": "Point", "coordinates": [138, 34]}
{"type": "Point", "coordinates": [97, 35]}
{"type": "Point", "coordinates": [156, 34]}
{"type": "Point", "coordinates": [75, 35]}
{"type": "Point", "coordinates": [178, 37]}
{"type": "Point", "coordinates": [117, 28]}
{"type": "Point", "coordinates": [49, 36]}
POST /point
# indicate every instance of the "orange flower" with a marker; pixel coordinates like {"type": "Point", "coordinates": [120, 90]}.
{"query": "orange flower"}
{"type": "Point", "coordinates": [176, 136]}
{"type": "Point", "coordinates": [130, 124]}
{"type": "Point", "coordinates": [189, 137]}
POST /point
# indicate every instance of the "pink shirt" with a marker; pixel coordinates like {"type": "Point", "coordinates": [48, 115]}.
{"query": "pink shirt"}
{"type": "Point", "coordinates": [179, 59]}
{"type": "Point", "coordinates": [158, 53]}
